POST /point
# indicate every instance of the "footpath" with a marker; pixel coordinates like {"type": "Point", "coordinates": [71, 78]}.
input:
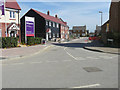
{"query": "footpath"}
{"type": "Point", "coordinates": [98, 47]}
{"type": "Point", "coordinates": [18, 52]}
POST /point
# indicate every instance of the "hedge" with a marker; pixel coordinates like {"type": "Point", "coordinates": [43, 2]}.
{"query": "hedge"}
{"type": "Point", "coordinates": [33, 41]}
{"type": "Point", "coordinates": [8, 42]}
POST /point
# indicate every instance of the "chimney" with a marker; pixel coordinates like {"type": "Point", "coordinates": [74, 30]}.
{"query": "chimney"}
{"type": "Point", "coordinates": [48, 12]}
{"type": "Point", "coordinates": [56, 16]}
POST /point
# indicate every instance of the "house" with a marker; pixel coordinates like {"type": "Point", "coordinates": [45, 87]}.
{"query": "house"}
{"type": "Point", "coordinates": [79, 31]}
{"type": "Point", "coordinates": [64, 31]}
{"type": "Point", "coordinates": [114, 17]}
{"type": "Point", "coordinates": [10, 20]}
{"type": "Point", "coordinates": [111, 28]}
{"type": "Point", "coordinates": [104, 31]}
{"type": "Point", "coordinates": [97, 31]}
{"type": "Point", "coordinates": [46, 26]}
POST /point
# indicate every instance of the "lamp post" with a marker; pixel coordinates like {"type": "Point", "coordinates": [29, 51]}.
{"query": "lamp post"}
{"type": "Point", "coordinates": [101, 16]}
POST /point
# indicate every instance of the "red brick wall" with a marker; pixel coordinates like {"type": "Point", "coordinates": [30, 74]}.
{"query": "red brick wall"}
{"type": "Point", "coordinates": [114, 17]}
{"type": "Point", "coordinates": [2, 26]}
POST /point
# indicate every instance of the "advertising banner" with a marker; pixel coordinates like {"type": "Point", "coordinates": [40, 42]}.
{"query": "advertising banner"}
{"type": "Point", "coordinates": [2, 7]}
{"type": "Point", "coordinates": [29, 24]}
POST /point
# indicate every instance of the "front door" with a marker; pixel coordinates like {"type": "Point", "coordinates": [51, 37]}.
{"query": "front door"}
{"type": "Point", "coordinates": [12, 34]}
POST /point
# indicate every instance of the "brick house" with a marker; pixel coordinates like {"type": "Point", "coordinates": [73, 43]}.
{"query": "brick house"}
{"type": "Point", "coordinates": [10, 22]}
{"type": "Point", "coordinates": [64, 30]}
{"type": "Point", "coordinates": [111, 29]}
{"type": "Point", "coordinates": [104, 31]}
{"type": "Point", "coordinates": [114, 16]}
{"type": "Point", "coordinates": [79, 31]}
{"type": "Point", "coordinates": [46, 26]}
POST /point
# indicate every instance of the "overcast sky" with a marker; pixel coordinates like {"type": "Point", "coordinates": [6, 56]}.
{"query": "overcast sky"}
{"type": "Point", "coordinates": [75, 13]}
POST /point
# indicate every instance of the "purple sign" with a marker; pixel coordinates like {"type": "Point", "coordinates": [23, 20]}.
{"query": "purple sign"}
{"type": "Point", "coordinates": [2, 6]}
{"type": "Point", "coordinates": [29, 28]}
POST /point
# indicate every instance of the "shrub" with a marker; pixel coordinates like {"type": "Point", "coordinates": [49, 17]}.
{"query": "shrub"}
{"type": "Point", "coordinates": [8, 42]}
{"type": "Point", "coordinates": [33, 41]}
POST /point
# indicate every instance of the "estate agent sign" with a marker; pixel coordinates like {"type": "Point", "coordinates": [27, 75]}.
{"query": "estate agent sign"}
{"type": "Point", "coordinates": [29, 24]}
{"type": "Point", "coordinates": [29, 27]}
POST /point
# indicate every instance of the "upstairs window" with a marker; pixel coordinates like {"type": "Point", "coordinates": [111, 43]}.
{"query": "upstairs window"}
{"type": "Point", "coordinates": [53, 24]}
{"type": "Point", "coordinates": [49, 23]}
{"type": "Point", "coordinates": [12, 14]}
{"type": "Point", "coordinates": [57, 25]}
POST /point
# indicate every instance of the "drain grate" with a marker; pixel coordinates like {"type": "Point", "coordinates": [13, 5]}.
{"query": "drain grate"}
{"type": "Point", "coordinates": [92, 69]}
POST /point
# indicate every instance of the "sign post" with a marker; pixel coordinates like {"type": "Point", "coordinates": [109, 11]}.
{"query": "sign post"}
{"type": "Point", "coordinates": [29, 27]}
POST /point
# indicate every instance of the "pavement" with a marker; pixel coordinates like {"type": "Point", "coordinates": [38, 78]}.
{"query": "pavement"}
{"type": "Point", "coordinates": [24, 51]}
{"type": "Point", "coordinates": [98, 47]}
{"type": "Point", "coordinates": [31, 50]}
{"type": "Point", "coordinates": [65, 65]}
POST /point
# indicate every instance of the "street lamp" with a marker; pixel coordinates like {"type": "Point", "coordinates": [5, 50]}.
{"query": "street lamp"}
{"type": "Point", "coordinates": [101, 16]}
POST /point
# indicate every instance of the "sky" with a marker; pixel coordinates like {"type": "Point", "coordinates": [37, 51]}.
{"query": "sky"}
{"type": "Point", "coordinates": [74, 13]}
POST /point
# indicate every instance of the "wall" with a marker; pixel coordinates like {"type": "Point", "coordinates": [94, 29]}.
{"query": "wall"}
{"type": "Point", "coordinates": [114, 16]}
{"type": "Point", "coordinates": [39, 24]}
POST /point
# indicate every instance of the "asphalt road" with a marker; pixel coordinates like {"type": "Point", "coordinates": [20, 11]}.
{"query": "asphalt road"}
{"type": "Point", "coordinates": [62, 66]}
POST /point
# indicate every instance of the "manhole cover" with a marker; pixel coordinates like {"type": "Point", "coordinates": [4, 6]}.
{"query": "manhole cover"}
{"type": "Point", "coordinates": [92, 69]}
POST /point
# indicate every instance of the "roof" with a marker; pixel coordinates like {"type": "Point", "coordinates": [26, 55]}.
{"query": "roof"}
{"type": "Point", "coordinates": [51, 18]}
{"type": "Point", "coordinates": [79, 27]}
{"type": "Point", "coordinates": [12, 4]}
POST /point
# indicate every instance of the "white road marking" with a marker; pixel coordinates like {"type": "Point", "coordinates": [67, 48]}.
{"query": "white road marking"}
{"type": "Point", "coordinates": [92, 58]}
{"type": "Point", "coordinates": [106, 57]}
{"type": "Point", "coordinates": [69, 53]}
{"type": "Point", "coordinates": [16, 64]}
{"type": "Point", "coordinates": [87, 86]}
{"type": "Point", "coordinates": [35, 62]}
{"type": "Point", "coordinates": [52, 61]}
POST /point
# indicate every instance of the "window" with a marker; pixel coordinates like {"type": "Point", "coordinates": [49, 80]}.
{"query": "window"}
{"type": "Point", "coordinates": [12, 14]}
{"type": "Point", "coordinates": [57, 25]}
{"type": "Point", "coordinates": [57, 34]}
{"type": "Point", "coordinates": [83, 34]}
{"type": "Point", "coordinates": [83, 30]}
{"type": "Point", "coordinates": [53, 34]}
{"type": "Point", "coordinates": [53, 24]}
{"type": "Point", "coordinates": [74, 31]}
{"type": "Point", "coordinates": [49, 23]}
{"type": "Point", "coordinates": [49, 35]}
{"type": "Point", "coordinates": [0, 33]}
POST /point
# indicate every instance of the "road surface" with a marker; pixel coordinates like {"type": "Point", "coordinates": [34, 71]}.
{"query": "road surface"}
{"type": "Point", "coordinates": [62, 66]}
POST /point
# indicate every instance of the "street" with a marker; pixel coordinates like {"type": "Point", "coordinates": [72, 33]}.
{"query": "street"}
{"type": "Point", "coordinates": [62, 66]}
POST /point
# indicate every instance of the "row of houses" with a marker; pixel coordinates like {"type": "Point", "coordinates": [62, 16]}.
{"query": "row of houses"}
{"type": "Point", "coordinates": [79, 31]}
{"type": "Point", "coordinates": [33, 24]}
{"type": "Point", "coordinates": [111, 28]}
